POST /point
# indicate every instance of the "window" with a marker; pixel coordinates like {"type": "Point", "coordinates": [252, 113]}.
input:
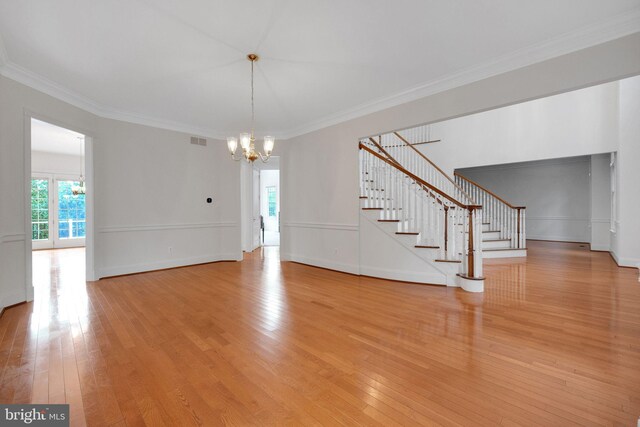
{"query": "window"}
{"type": "Point", "coordinates": [71, 211]}
{"type": "Point", "coordinates": [271, 200]}
{"type": "Point", "coordinates": [39, 209]}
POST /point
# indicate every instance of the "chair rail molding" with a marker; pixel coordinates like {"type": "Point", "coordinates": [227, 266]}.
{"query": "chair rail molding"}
{"type": "Point", "coordinates": [12, 237]}
{"type": "Point", "coordinates": [322, 225]}
{"type": "Point", "coordinates": [160, 227]}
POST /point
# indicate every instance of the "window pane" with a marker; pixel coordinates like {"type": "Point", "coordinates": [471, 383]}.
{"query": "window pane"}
{"type": "Point", "coordinates": [271, 199]}
{"type": "Point", "coordinates": [71, 211]}
{"type": "Point", "coordinates": [40, 209]}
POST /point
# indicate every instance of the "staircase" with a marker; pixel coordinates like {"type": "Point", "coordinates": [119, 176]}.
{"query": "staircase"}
{"type": "Point", "coordinates": [507, 237]}
{"type": "Point", "coordinates": [435, 218]}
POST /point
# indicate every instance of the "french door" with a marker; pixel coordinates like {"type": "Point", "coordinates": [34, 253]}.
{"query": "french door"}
{"type": "Point", "coordinates": [57, 215]}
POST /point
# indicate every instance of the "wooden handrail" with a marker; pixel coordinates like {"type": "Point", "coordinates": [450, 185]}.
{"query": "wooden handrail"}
{"type": "Point", "coordinates": [384, 151]}
{"type": "Point", "coordinates": [455, 184]}
{"type": "Point", "coordinates": [490, 192]}
{"type": "Point", "coordinates": [418, 179]}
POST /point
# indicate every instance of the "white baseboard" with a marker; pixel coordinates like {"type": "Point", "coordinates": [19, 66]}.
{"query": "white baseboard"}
{"type": "Point", "coordinates": [602, 248]}
{"type": "Point", "coordinates": [324, 263]}
{"type": "Point", "coordinates": [626, 262]}
{"type": "Point", "coordinates": [140, 268]}
{"type": "Point", "coordinates": [404, 276]}
{"type": "Point", "coordinates": [12, 299]}
{"type": "Point", "coordinates": [556, 238]}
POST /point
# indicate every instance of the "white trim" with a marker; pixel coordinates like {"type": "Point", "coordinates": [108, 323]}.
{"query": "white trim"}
{"type": "Point", "coordinates": [12, 299]}
{"type": "Point", "coordinates": [555, 218]}
{"type": "Point", "coordinates": [556, 239]}
{"type": "Point", "coordinates": [324, 263]}
{"type": "Point", "coordinates": [616, 27]}
{"type": "Point", "coordinates": [159, 227]}
{"type": "Point", "coordinates": [322, 225]}
{"type": "Point", "coordinates": [159, 265]}
{"type": "Point", "coordinates": [12, 237]}
{"type": "Point", "coordinates": [600, 221]}
{"type": "Point", "coordinates": [470, 285]}
{"type": "Point", "coordinates": [600, 248]}
{"type": "Point", "coordinates": [626, 262]}
{"type": "Point", "coordinates": [513, 253]}
{"type": "Point", "coordinates": [404, 276]}
{"type": "Point", "coordinates": [89, 177]}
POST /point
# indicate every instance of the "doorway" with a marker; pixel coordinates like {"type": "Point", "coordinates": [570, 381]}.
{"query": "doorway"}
{"type": "Point", "coordinates": [270, 206]}
{"type": "Point", "coordinates": [58, 204]}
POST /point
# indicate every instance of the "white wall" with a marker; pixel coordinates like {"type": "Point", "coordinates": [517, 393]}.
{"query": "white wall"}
{"type": "Point", "coordinates": [320, 190]}
{"type": "Point", "coordinates": [626, 240]}
{"type": "Point", "coordinates": [269, 178]}
{"type": "Point", "coordinates": [150, 184]}
{"type": "Point", "coordinates": [581, 122]}
{"type": "Point", "coordinates": [150, 192]}
{"type": "Point", "coordinates": [55, 163]}
{"type": "Point", "coordinates": [555, 192]}
{"type": "Point", "coordinates": [600, 202]}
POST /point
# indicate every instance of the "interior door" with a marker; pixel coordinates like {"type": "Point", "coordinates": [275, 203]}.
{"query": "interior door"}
{"type": "Point", "coordinates": [41, 213]}
{"type": "Point", "coordinates": [69, 215]}
{"type": "Point", "coordinates": [256, 209]}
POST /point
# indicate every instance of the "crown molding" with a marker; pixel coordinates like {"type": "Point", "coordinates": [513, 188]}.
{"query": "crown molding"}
{"type": "Point", "coordinates": [616, 27]}
{"type": "Point", "coordinates": [35, 81]}
{"type": "Point", "coordinates": [3, 53]}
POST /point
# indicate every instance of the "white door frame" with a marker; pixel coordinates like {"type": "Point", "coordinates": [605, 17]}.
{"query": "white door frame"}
{"type": "Point", "coordinates": [44, 244]}
{"type": "Point", "coordinates": [89, 198]}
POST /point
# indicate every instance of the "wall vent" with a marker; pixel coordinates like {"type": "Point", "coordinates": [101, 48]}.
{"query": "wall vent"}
{"type": "Point", "coordinates": [198, 141]}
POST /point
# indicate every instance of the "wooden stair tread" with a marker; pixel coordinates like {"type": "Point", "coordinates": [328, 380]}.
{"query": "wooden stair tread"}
{"type": "Point", "coordinates": [409, 233]}
{"type": "Point", "coordinates": [388, 220]}
{"type": "Point", "coordinates": [448, 260]}
{"type": "Point", "coordinates": [427, 247]}
{"type": "Point", "coordinates": [371, 209]}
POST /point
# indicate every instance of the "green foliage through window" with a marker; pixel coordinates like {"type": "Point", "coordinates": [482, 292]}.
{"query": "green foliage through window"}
{"type": "Point", "coordinates": [71, 211]}
{"type": "Point", "coordinates": [39, 209]}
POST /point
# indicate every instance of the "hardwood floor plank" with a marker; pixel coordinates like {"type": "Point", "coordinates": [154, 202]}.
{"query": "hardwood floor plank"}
{"type": "Point", "coordinates": [554, 340]}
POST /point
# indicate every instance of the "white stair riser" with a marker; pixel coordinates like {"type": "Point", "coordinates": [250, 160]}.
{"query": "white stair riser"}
{"type": "Point", "coordinates": [490, 234]}
{"type": "Point", "coordinates": [514, 253]}
{"type": "Point", "coordinates": [497, 244]}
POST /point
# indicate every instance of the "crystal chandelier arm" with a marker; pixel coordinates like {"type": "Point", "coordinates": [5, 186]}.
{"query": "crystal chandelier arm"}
{"type": "Point", "coordinates": [233, 156]}
{"type": "Point", "coordinates": [263, 157]}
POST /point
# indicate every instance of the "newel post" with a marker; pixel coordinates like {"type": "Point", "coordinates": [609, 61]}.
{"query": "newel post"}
{"type": "Point", "coordinates": [471, 260]}
{"type": "Point", "coordinates": [446, 227]}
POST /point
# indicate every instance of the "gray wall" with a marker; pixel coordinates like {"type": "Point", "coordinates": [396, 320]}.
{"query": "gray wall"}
{"type": "Point", "coordinates": [557, 194]}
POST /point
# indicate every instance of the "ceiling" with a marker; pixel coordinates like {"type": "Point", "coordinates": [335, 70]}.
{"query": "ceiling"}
{"type": "Point", "coordinates": [181, 64]}
{"type": "Point", "coordinates": [54, 139]}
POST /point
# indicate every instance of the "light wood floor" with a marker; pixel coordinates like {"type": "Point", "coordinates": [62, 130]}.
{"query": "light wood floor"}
{"type": "Point", "coordinates": [554, 340]}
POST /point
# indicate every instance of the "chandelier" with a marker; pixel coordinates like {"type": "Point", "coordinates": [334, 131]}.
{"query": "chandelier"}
{"type": "Point", "coordinates": [247, 140]}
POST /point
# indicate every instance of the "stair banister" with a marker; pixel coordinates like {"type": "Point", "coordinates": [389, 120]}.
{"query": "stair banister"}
{"type": "Point", "coordinates": [456, 186]}
{"type": "Point", "coordinates": [473, 221]}
{"type": "Point", "coordinates": [510, 217]}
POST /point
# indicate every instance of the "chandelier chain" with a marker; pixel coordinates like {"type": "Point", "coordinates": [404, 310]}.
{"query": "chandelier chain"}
{"type": "Point", "coordinates": [252, 108]}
